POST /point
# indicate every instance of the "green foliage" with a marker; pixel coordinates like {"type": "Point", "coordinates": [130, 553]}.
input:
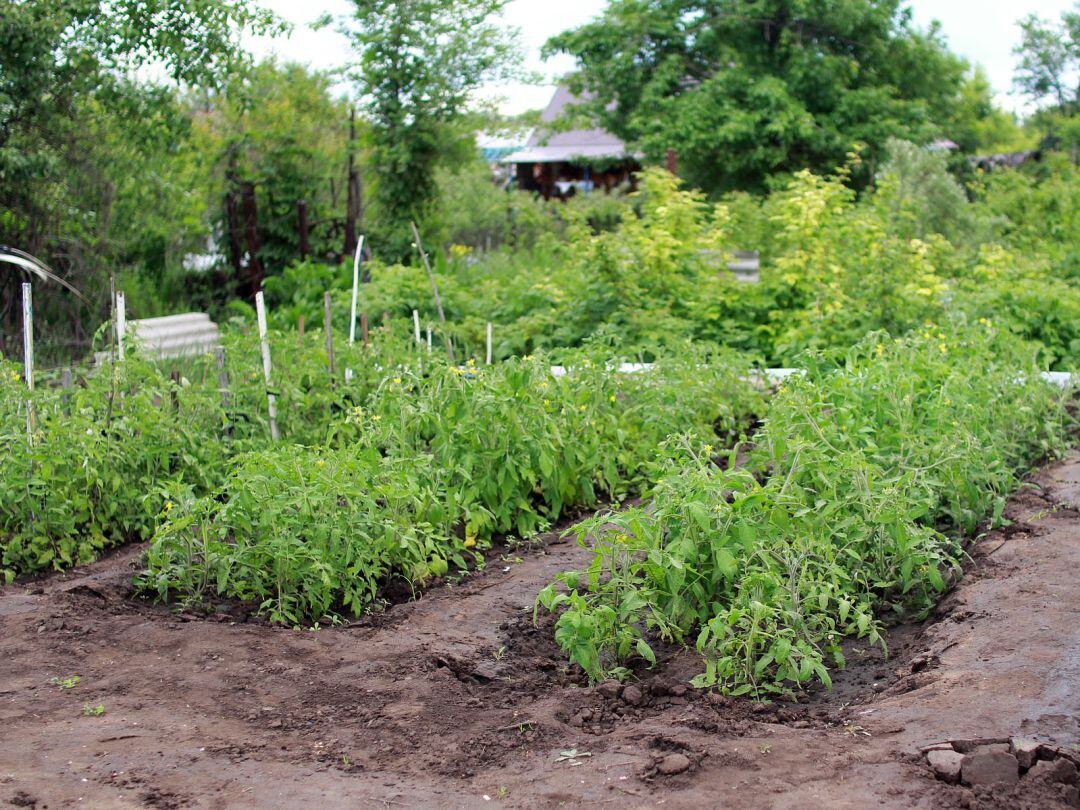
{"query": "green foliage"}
{"type": "Point", "coordinates": [103, 459]}
{"type": "Point", "coordinates": [746, 90]}
{"type": "Point", "coordinates": [432, 465]}
{"type": "Point", "coordinates": [977, 125]}
{"type": "Point", "coordinates": [94, 173]}
{"type": "Point", "coordinates": [1049, 60]}
{"type": "Point", "coordinates": [279, 127]}
{"type": "Point", "coordinates": [473, 212]}
{"type": "Point", "coordinates": [418, 62]}
{"type": "Point", "coordinates": [919, 197]}
{"type": "Point", "coordinates": [834, 267]}
{"type": "Point", "coordinates": [855, 494]}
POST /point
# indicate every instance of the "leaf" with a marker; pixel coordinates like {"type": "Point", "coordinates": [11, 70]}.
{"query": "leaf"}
{"type": "Point", "coordinates": [645, 651]}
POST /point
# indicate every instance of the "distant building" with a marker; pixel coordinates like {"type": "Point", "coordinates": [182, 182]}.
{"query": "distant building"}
{"type": "Point", "coordinates": [495, 146]}
{"type": "Point", "coordinates": [561, 164]}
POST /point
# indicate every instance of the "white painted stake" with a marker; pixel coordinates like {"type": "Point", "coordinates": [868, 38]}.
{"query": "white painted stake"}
{"type": "Point", "coordinates": [28, 355]}
{"type": "Point", "coordinates": [355, 296]}
{"type": "Point", "coordinates": [489, 343]}
{"type": "Point", "coordinates": [416, 325]}
{"type": "Point", "coordinates": [28, 334]}
{"type": "Point", "coordinates": [271, 400]}
{"type": "Point", "coordinates": [429, 338]}
{"type": "Point", "coordinates": [121, 325]}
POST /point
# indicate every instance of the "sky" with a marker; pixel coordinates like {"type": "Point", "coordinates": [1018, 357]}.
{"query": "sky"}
{"type": "Point", "coordinates": [983, 31]}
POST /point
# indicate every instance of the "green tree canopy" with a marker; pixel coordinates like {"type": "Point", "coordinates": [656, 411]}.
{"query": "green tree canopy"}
{"type": "Point", "coordinates": [748, 89]}
{"type": "Point", "coordinates": [419, 62]}
{"type": "Point", "coordinates": [82, 145]}
{"type": "Point", "coordinates": [1049, 66]}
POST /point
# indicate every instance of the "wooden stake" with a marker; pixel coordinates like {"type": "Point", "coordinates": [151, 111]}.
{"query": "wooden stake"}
{"type": "Point", "coordinates": [271, 400]}
{"type": "Point", "coordinates": [434, 290]}
{"type": "Point", "coordinates": [416, 325]}
{"type": "Point", "coordinates": [300, 328]}
{"type": "Point", "coordinates": [363, 328]}
{"type": "Point", "coordinates": [489, 343]}
{"type": "Point", "coordinates": [28, 356]}
{"type": "Point", "coordinates": [329, 335]}
{"type": "Point", "coordinates": [174, 375]}
{"type": "Point", "coordinates": [355, 295]}
{"type": "Point", "coordinates": [66, 383]}
{"type": "Point", "coordinates": [121, 325]}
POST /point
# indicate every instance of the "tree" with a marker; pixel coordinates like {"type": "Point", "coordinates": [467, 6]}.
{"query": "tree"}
{"type": "Point", "coordinates": [277, 132]}
{"type": "Point", "coordinates": [749, 89]}
{"type": "Point", "coordinates": [1050, 60]}
{"type": "Point", "coordinates": [977, 124]}
{"type": "Point", "coordinates": [418, 63]}
{"type": "Point", "coordinates": [81, 145]}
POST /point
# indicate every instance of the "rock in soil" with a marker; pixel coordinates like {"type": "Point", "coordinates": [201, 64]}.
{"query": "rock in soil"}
{"type": "Point", "coordinates": [609, 689]}
{"type": "Point", "coordinates": [1057, 770]}
{"type": "Point", "coordinates": [989, 768]}
{"type": "Point", "coordinates": [632, 695]}
{"type": "Point", "coordinates": [1026, 751]}
{"type": "Point", "coordinates": [946, 764]}
{"type": "Point", "coordinates": [673, 764]}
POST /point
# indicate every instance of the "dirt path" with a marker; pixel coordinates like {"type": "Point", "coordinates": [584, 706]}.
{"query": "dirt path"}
{"type": "Point", "coordinates": [455, 700]}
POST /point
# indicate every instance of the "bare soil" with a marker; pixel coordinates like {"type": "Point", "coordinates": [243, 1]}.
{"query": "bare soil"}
{"type": "Point", "coordinates": [455, 699]}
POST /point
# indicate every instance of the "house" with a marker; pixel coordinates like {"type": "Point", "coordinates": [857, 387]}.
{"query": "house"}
{"type": "Point", "coordinates": [561, 164]}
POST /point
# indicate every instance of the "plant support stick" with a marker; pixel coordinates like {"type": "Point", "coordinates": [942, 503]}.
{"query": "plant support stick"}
{"type": "Point", "coordinates": [271, 400]}
{"type": "Point", "coordinates": [355, 295]}
{"type": "Point", "coordinates": [329, 336]}
{"type": "Point", "coordinates": [121, 325]}
{"type": "Point", "coordinates": [434, 290]}
{"type": "Point", "coordinates": [28, 356]}
{"type": "Point", "coordinates": [489, 343]}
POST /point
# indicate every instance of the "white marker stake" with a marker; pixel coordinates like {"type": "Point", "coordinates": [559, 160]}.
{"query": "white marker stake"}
{"type": "Point", "coordinates": [355, 296]}
{"type": "Point", "coordinates": [271, 400]}
{"type": "Point", "coordinates": [429, 338]}
{"type": "Point", "coordinates": [28, 355]}
{"type": "Point", "coordinates": [489, 343]}
{"type": "Point", "coordinates": [121, 325]}
{"type": "Point", "coordinates": [416, 325]}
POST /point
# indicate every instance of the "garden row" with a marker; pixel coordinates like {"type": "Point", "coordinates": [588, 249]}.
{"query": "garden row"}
{"type": "Point", "coordinates": [429, 468]}
{"type": "Point", "coordinates": [110, 447]}
{"type": "Point", "coordinates": [860, 486]}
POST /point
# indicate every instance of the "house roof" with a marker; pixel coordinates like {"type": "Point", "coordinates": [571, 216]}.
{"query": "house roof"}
{"type": "Point", "coordinates": [547, 146]}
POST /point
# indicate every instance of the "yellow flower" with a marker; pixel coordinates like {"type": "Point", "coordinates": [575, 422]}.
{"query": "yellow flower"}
{"type": "Point", "coordinates": [168, 506]}
{"type": "Point", "coordinates": [582, 408]}
{"type": "Point", "coordinates": [319, 462]}
{"type": "Point", "coordinates": [377, 418]}
{"type": "Point", "coordinates": [397, 380]}
{"type": "Point", "coordinates": [708, 448]}
{"type": "Point", "coordinates": [612, 397]}
{"type": "Point", "coordinates": [943, 348]}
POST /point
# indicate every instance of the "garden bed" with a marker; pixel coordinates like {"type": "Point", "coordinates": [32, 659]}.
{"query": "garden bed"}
{"type": "Point", "coordinates": [456, 697]}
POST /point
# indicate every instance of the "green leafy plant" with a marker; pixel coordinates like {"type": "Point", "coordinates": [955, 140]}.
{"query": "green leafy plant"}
{"type": "Point", "coordinates": [851, 507]}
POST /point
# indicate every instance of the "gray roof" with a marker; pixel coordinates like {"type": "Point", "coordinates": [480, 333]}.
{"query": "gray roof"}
{"type": "Point", "coordinates": [546, 146]}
